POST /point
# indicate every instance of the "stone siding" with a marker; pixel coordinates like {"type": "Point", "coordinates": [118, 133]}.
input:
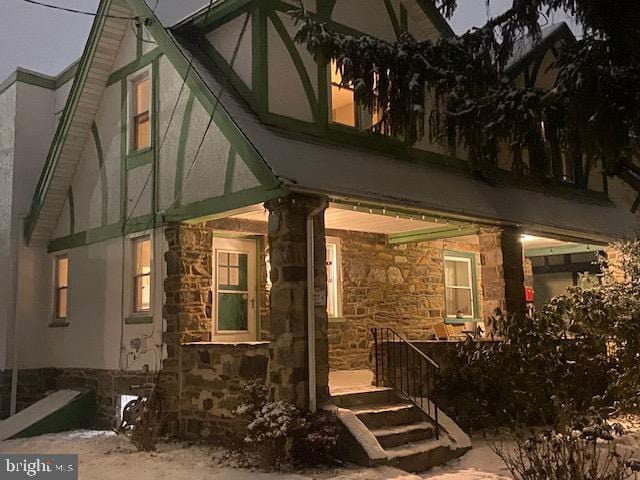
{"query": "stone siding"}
{"type": "Point", "coordinates": [398, 286]}
{"type": "Point", "coordinates": [210, 382]}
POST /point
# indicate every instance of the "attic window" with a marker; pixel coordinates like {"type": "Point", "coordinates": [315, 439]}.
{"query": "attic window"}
{"type": "Point", "coordinates": [140, 108]}
{"type": "Point", "coordinates": [344, 110]}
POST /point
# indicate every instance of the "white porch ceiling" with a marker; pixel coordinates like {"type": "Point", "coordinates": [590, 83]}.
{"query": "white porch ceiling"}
{"type": "Point", "coordinates": [358, 221]}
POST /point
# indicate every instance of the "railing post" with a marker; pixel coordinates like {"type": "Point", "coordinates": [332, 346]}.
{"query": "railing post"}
{"type": "Point", "coordinates": [374, 331]}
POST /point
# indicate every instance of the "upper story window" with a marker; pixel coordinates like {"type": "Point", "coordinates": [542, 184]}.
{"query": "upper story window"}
{"type": "Point", "coordinates": [61, 293]}
{"type": "Point", "coordinates": [140, 95]}
{"type": "Point", "coordinates": [334, 278]}
{"type": "Point", "coordinates": [142, 274]}
{"type": "Point", "coordinates": [344, 110]}
{"type": "Point", "coordinates": [460, 288]}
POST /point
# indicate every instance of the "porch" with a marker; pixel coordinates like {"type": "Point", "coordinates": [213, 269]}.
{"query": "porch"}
{"type": "Point", "coordinates": [242, 277]}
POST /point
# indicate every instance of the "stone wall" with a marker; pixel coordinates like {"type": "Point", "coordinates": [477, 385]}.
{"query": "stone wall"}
{"type": "Point", "coordinates": [398, 286]}
{"type": "Point", "coordinates": [210, 382]}
{"type": "Point", "coordinates": [33, 385]}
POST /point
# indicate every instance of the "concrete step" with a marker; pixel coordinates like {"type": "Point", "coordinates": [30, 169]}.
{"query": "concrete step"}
{"type": "Point", "coordinates": [390, 437]}
{"type": "Point", "coordinates": [420, 456]}
{"type": "Point", "coordinates": [374, 396]}
{"type": "Point", "coordinates": [388, 415]}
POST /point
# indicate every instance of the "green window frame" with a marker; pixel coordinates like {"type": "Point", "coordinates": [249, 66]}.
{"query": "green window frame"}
{"type": "Point", "coordinates": [470, 259]}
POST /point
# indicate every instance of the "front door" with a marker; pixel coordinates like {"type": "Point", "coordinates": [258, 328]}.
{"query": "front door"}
{"type": "Point", "coordinates": [234, 296]}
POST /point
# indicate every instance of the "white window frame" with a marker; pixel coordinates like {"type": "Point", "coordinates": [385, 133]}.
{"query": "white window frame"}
{"type": "Point", "coordinates": [132, 81]}
{"type": "Point", "coordinates": [57, 320]}
{"type": "Point", "coordinates": [337, 284]}
{"type": "Point", "coordinates": [130, 260]}
{"type": "Point", "coordinates": [453, 257]}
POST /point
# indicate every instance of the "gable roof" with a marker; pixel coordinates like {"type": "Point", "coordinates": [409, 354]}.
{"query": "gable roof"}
{"type": "Point", "coordinates": [312, 165]}
{"type": "Point", "coordinates": [528, 48]}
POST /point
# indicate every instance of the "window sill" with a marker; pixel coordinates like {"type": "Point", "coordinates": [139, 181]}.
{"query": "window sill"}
{"type": "Point", "coordinates": [139, 158]}
{"type": "Point", "coordinates": [138, 320]}
{"type": "Point", "coordinates": [59, 324]}
{"type": "Point", "coordinates": [337, 320]}
{"type": "Point", "coordinates": [460, 321]}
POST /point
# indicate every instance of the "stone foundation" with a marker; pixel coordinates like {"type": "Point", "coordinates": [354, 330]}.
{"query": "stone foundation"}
{"type": "Point", "coordinates": [210, 382]}
{"type": "Point", "coordinates": [33, 385]}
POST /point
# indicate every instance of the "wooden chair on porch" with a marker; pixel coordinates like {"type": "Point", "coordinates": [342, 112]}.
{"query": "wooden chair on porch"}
{"type": "Point", "coordinates": [446, 332]}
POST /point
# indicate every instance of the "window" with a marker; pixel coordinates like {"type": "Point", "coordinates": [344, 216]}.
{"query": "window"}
{"type": "Point", "coordinates": [140, 108]}
{"type": "Point", "coordinates": [334, 278]}
{"type": "Point", "coordinates": [142, 274]}
{"type": "Point", "coordinates": [62, 287]}
{"type": "Point", "coordinates": [343, 107]}
{"type": "Point", "coordinates": [460, 288]}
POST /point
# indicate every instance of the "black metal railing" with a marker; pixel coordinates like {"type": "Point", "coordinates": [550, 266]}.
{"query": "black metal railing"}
{"type": "Point", "coordinates": [400, 365]}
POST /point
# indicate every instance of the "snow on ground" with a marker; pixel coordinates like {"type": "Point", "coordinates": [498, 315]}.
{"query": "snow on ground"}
{"type": "Point", "coordinates": [105, 456]}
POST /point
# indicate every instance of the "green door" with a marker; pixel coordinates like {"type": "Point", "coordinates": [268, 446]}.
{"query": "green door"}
{"type": "Point", "coordinates": [234, 273]}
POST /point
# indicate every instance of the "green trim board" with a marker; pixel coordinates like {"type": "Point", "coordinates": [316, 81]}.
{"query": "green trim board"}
{"type": "Point", "coordinates": [65, 122]}
{"type": "Point", "coordinates": [260, 54]}
{"type": "Point", "coordinates": [393, 18]}
{"type": "Point", "coordinates": [137, 159]}
{"type": "Point", "coordinates": [141, 62]}
{"type": "Point", "coordinates": [72, 211]}
{"type": "Point", "coordinates": [182, 147]}
{"type": "Point", "coordinates": [138, 320]}
{"type": "Point", "coordinates": [207, 19]}
{"type": "Point", "coordinates": [102, 172]}
{"type": "Point", "coordinates": [124, 138]}
{"type": "Point", "coordinates": [430, 234]}
{"type": "Point", "coordinates": [562, 250]}
{"type": "Point", "coordinates": [298, 63]}
{"type": "Point", "coordinates": [228, 179]}
{"type": "Point", "coordinates": [475, 292]}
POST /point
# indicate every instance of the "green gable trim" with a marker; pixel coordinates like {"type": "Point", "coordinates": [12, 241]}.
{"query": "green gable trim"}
{"type": "Point", "coordinates": [228, 179]}
{"type": "Point", "coordinates": [225, 203]}
{"type": "Point", "coordinates": [182, 147]}
{"type": "Point", "coordinates": [65, 121]}
{"type": "Point", "coordinates": [430, 234]}
{"type": "Point", "coordinates": [72, 212]}
{"type": "Point", "coordinates": [562, 250]}
{"type": "Point", "coordinates": [300, 67]}
{"type": "Point", "coordinates": [260, 54]}
{"type": "Point", "coordinates": [207, 98]}
{"type": "Point", "coordinates": [100, 234]}
{"type": "Point", "coordinates": [474, 285]}
{"type": "Point", "coordinates": [37, 79]}
{"type": "Point", "coordinates": [124, 93]}
{"type": "Point", "coordinates": [221, 12]}
{"type": "Point", "coordinates": [393, 18]}
{"type": "Point", "coordinates": [102, 172]}
{"type": "Point", "coordinates": [139, 34]}
{"type": "Point", "coordinates": [134, 66]}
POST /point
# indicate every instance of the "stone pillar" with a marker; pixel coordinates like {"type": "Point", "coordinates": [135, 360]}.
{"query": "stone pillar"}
{"type": "Point", "coordinates": [502, 267]}
{"type": "Point", "coordinates": [289, 375]}
{"type": "Point", "coordinates": [187, 308]}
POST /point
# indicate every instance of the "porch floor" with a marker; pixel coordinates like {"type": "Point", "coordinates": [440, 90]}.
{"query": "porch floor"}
{"type": "Point", "coordinates": [351, 381]}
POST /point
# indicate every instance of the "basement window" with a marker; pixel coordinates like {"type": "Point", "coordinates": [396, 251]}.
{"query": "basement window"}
{"type": "Point", "coordinates": [460, 288]}
{"type": "Point", "coordinates": [140, 94]}
{"type": "Point", "coordinates": [334, 278]}
{"type": "Point", "coordinates": [142, 274]}
{"type": "Point", "coordinates": [61, 288]}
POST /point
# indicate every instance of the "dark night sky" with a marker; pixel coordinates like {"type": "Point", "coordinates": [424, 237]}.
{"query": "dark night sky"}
{"type": "Point", "coordinates": [45, 40]}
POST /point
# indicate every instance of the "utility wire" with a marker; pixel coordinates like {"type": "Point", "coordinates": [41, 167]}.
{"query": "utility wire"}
{"type": "Point", "coordinates": [80, 12]}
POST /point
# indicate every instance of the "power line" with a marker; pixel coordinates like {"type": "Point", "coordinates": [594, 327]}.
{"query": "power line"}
{"type": "Point", "coordinates": [79, 12]}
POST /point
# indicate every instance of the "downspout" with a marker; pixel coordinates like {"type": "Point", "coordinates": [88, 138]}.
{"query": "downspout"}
{"type": "Point", "coordinates": [311, 315]}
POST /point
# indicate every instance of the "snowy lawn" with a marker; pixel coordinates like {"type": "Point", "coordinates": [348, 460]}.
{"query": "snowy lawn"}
{"type": "Point", "coordinates": [105, 456]}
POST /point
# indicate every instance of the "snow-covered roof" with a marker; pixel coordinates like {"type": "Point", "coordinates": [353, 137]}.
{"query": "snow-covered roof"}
{"type": "Point", "coordinates": [528, 46]}
{"type": "Point", "coordinates": [309, 164]}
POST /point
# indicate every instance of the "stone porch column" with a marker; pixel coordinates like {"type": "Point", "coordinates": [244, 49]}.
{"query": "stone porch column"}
{"type": "Point", "coordinates": [502, 270]}
{"type": "Point", "coordinates": [187, 308]}
{"type": "Point", "coordinates": [289, 374]}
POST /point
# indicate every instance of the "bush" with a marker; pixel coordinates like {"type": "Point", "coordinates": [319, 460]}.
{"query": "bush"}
{"type": "Point", "coordinates": [576, 455]}
{"type": "Point", "coordinates": [281, 434]}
